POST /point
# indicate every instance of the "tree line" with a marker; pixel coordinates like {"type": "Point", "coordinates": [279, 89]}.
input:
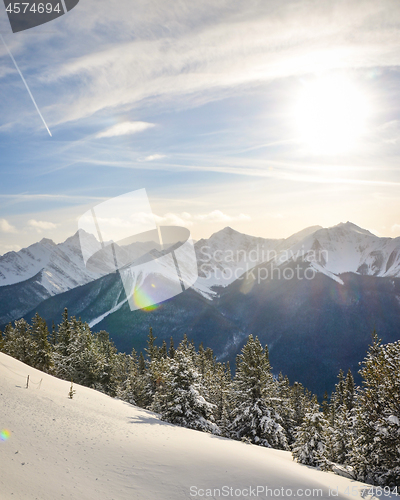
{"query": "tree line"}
{"type": "Point", "coordinates": [356, 431]}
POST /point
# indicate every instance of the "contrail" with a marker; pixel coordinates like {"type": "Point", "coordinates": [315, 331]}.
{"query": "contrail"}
{"type": "Point", "coordinates": [26, 85]}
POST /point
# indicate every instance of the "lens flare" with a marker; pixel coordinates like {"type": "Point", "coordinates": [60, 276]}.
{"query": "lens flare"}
{"type": "Point", "coordinates": [143, 300]}
{"type": "Point", "coordinates": [4, 435]}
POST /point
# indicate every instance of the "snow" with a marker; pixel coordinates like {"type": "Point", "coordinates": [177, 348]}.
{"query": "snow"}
{"type": "Point", "coordinates": [94, 321]}
{"type": "Point", "coordinates": [394, 420]}
{"type": "Point", "coordinates": [97, 447]}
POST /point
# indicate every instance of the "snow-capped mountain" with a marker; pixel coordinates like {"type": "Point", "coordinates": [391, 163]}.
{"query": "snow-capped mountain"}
{"type": "Point", "coordinates": [227, 254]}
{"type": "Point", "coordinates": [343, 248]}
{"type": "Point", "coordinates": [346, 248]}
{"type": "Point", "coordinates": [61, 267]}
{"type": "Point", "coordinates": [222, 258]}
{"type": "Point", "coordinates": [46, 269]}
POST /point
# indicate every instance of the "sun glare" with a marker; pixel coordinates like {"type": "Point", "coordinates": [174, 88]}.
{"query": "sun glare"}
{"type": "Point", "coordinates": [331, 115]}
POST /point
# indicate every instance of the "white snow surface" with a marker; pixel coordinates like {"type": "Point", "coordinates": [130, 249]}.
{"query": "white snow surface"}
{"type": "Point", "coordinates": [96, 447]}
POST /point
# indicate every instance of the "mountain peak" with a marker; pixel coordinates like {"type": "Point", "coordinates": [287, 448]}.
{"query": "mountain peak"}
{"type": "Point", "coordinates": [47, 241]}
{"type": "Point", "coordinates": [352, 227]}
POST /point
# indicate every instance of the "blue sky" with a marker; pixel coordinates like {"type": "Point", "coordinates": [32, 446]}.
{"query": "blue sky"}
{"type": "Point", "coordinates": [196, 103]}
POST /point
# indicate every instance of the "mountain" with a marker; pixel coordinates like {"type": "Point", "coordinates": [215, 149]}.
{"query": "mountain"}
{"type": "Point", "coordinates": [95, 446]}
{"type": "Point", "coordinates": [348, 248]}
{"type": "Point", "coordinates": [314, 298]}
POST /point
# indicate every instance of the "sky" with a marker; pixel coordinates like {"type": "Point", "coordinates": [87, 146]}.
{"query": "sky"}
{"type": "Point", "coordinates": [267, 116]}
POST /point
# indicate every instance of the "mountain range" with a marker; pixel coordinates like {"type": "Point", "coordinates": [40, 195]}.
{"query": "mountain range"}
{"type": "Point", "coordinates": [314, 297]}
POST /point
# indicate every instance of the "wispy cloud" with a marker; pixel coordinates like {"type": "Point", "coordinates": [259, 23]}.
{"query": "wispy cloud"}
{"type": "Point", "coordinates": [153, 157]}
{"type": "Point", "coordinates": [171, 219]}
{"type": "Point", "coordinates": [9, 248]}
{"type": "Point", "coordinates": [125, 128]}
{"type": "Point", "coordinates": [218, 216]}
{"type": "Point", "coordinates": [207, 51]}
{"type": "Point", "coordinates": [6, 227]}
{"type": "Point", "coordinates": [41, 225]}
{"type": "Point", "coordinates": [187, 219]}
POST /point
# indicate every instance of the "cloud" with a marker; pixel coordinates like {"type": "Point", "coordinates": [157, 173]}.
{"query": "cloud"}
{"type": "Point", "coordinates": [218, 216]}
{"type": "Point", "coordinates": [389, 132]}
{"type": "Point", "coordinates": [9, 248]}
{"type": "Point", "coordinates": [125, 128]}
{"type": "Point", "coordinates": [6, 227]}
{"type": "Point", "coordinates": [41, 225]}
{"type": "Point", "coordinates": [187, 219]}
{"type": "Point", "coordinates": [188, 55]}
{"type": "Point", "coordinates": [395, 228]}
{"type": "Point", "coordinates": [171, 219]}
{"type": "Point", "coordinates": [153, 157]}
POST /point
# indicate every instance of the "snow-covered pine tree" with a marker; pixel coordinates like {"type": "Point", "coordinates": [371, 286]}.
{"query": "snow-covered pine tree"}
{"type": "Point", "coordinates": [18, 342]}
{"type": "Point", "coordinates": [179, 399]}
{"type": "Point", "coordinates": [283, 405]}
{"type": "Point", "coordinates": [254, 419]}
{"type": "Point", "coordinates": [40, 336]}
{"type": "Point", "coordinates": [340, 415]}
{"type": "Point", "coordinates": [376, 452]}
{"type": "Point", "coordinates": [131, 388]}
{"type": "Point", "coordinates": [342, 428]}
{"type": "Point", "coordinates": [310, 444]}
{"type": "Point", "coordinates": [216, 385]}
{"type": "Point", "coordinates": [300, 401]}
{"type": "Point", "coordinates": [150, 371]}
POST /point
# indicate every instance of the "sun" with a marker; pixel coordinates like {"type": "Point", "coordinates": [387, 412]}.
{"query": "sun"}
{"type": "Point", "coordinates": [331, 115]}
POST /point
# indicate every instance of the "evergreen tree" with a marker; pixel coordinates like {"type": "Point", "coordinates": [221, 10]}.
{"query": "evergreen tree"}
{"type": "Point", "coordinates": [310, 444]}
{"type": "Point", "coordinates": [18, 342]}
{"type": "Point", "coordinates": [40, 334]}
{"type": "Point", "coordinates": [179, 400]}
{"type": "Point", "coordinates": [376, 452]}
{"type": "Point", "coordinates": [171, 351]}
{"type": "Point", "coordinates": [340, 430]}
{"type": "Point", "coordinates": [283, 405]}
{"type": "Point", "coordinates": [254, 418]}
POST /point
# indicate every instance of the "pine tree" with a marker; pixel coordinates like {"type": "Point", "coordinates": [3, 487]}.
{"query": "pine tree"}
{"type": "Point", "coordinates": [310, 444]}
{"type": "Point", "coordinates": [283, 405]}
{"type": "Point", "coordinates": [151, 350]}
{"type": "Point", "coordinates": [18, 342]}
{"type": "Point", "coordinates": [376, 452]}
{"type": "Point", "coordinates": [40, 334]}
{"type": "Point", "coordinates": [340, 432]}
{"type": "Point", "coordinates": [179, 400]}
{"type": "Point", "coordinates": [254, 418]}
{"type": "Point", "coordinates": [171, 351]}
{"type": "Point", "coordinates": [163, 352]}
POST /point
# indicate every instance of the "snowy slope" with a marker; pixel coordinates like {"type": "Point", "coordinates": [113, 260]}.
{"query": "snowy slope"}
{"type": "Point", "coordinates": [96, 447]}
